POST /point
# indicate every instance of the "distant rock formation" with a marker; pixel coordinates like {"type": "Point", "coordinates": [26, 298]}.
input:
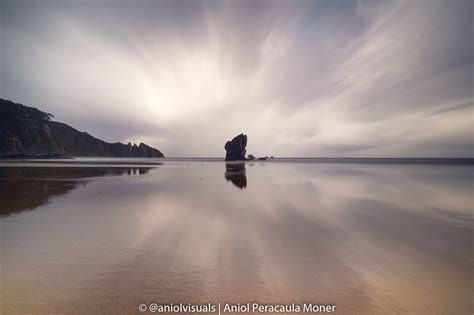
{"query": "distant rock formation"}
{"type": "Point", "coordinates": [28, 132]}
{"type": "Point", "coordinates": [235, 149]}
{"type": "Point", "coordinates": [252, 158]}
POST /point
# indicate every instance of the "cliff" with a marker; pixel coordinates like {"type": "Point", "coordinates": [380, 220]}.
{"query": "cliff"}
{"type": "Point", "coordinates": [27, 131]}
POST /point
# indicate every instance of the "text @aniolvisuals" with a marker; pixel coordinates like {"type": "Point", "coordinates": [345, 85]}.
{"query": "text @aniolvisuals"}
{"type": "Point", "coordinates": [249, 307]}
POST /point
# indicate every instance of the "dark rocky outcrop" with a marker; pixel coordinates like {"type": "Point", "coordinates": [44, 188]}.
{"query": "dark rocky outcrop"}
{"type": "Point", "coordinates": [235, 149]}
{"type": "Point", "coordinates": [27, 131]}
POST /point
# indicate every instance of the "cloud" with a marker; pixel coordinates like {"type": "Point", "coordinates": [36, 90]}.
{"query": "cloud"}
{"type": "Point", "coordinates": [302, 78]}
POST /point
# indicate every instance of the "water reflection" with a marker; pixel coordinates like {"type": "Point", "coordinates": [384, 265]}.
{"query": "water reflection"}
{"type": "Point", "coordinates": [372, 239]}
{"type": "Point", "coordinates": [26, 188]}
{"type": "Point", "coordinates": [235, 172]}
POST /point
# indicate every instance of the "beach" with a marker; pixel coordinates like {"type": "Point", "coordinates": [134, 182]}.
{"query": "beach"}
{"type": "Point", "coordinates": [104, 236]}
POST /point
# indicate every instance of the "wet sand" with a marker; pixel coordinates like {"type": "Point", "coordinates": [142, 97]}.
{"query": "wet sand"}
{"type": "Point", "coordinates": [369, 238]}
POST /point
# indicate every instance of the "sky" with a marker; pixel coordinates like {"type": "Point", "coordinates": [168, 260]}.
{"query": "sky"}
{"type": "Point", "coordinates": [301, 78]}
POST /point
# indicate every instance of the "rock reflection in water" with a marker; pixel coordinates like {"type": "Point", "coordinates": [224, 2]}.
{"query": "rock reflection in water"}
{"type": "Point", "coordinates": [27, 188]}
{"type": "Point", "coordinates": [236, 174]}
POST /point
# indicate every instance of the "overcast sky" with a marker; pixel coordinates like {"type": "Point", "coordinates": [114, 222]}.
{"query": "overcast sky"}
{"type": "Point", "coordinates": [300, 78]}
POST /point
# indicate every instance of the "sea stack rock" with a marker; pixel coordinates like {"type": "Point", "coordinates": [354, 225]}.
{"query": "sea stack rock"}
{"type": "Point", "coordinates": [236, 148]}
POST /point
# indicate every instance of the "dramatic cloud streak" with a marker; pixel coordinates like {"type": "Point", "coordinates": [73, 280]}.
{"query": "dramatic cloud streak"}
{"type": "Point", "coordinates": [301, 78]}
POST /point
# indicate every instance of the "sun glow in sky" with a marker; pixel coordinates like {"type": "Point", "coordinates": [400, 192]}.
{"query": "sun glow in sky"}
{"type": "Point", "coordinates": [300, 78]}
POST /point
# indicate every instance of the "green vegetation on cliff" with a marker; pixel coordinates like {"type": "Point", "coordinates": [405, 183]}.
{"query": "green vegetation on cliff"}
{"type": "Point", "coordinates": [28, 131]}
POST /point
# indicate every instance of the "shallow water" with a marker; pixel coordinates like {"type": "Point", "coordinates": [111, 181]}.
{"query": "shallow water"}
{"type": "Point", "coordinates": [368, 238]}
